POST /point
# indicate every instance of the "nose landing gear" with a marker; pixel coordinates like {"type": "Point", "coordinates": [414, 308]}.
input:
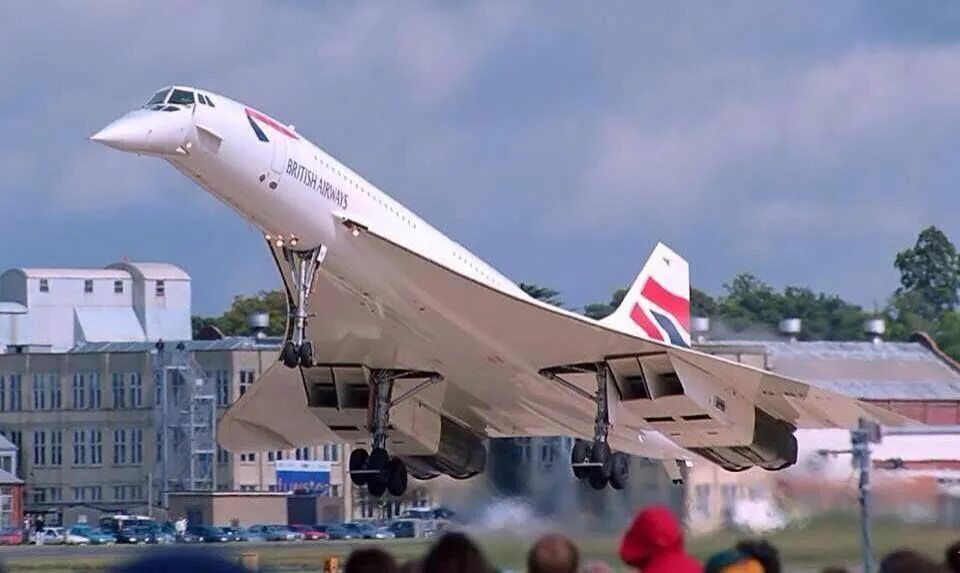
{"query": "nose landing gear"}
{"type": "Point", "coordinates": [303, 266]}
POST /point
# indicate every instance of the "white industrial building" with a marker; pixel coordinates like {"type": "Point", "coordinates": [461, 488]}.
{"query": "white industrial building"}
{"type": "Point", "coordinates": [54, 310]}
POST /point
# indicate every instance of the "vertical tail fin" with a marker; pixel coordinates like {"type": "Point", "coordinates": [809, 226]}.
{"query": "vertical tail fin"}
{"type": "Point", "coordinates": [657, 306]}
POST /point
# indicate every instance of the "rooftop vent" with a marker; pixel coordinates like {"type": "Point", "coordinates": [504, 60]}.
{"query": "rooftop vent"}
{"type": "Point", "coordinates": [699, 327]}
{"type": "Point", "coordinates": [258, 323]}
{"type": "Point", "coordinates": [790, 327]}
{"type": "Point", "coordinates": [874, 329]}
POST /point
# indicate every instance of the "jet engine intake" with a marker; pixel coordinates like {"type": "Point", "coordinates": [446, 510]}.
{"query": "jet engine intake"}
{"type": "Point", "coordinates": [774, 447]}
{"type": "Point", "coordinates": [461, 454]}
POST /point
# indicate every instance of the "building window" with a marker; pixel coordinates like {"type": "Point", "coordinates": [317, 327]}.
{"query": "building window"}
{"type": "Point", "coordinates": [53, 385]}
{"type": "Point", "coordinates": [79, 447]}
{"type": "Point", "coordinates": [270, 456]}
{"type": "Point", "coordinates": [223, 388]}
{"type": "Point", "coordinates": [135, 492]}
{"type": "Point", "coordinates": [248, 457]}
{"type": "Point", "coordinates": [96, 447]}
{"type": "Point", "coordinates": [331, 452]}
{"type": "Point", "coordinates": [79, 391]}
{"type": "Point", "coordinates": [223, 456]}
{"type": "Point", "coordinates": [246, 380]}
{"type": "Point", "coordinates": [161, 288]}
{"type": "Point", "coordinates": [3, 393]}
{"type": "Point", "coordinates": [119, 446]}
{"type": "Point", "coordinates": [94, 381]}
{"type": "Point", "coordinates": [56, 447]}
{"type": "Point", "coordinates": [136, 446]}
{"type": "Point", "coordinates": [55, 494]}
{"type": "Point", "coordinates": [44, 285]}
{"type": "Point", "coordinates": [244, 487]}
{"type": "Point", "coordinates": [119, 392]}
{"type": "Point", "coordinates": [302, 453]}
{"type": "Point", "coordinates": [119, 493]}
{"type": "Point", "coordinates": [96, 493]}
{"type": "Point", "coordinates": [14, 402]}
{"type": "Point", "coordinates": [88, 286]}
{"type": "Point", "coordinates": [40, 448]}
{"type": "Point", "coordinates": [39, 495]}
{"type": "Point", "coordinates": [79, 494]}
{"type": "Point", "coordinates": [136, 390]}
{"type": "Point", "coordinates": [39, 392]}
{"type": "Point", "coordinates": [118, 287]}
{"type": "Point", "coordinates": [335, 490]}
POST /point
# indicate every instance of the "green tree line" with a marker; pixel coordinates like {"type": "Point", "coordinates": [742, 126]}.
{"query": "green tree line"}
{"type": "Point", "coordinates": [926, 300]}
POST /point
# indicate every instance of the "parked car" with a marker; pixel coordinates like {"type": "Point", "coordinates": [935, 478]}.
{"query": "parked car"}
{"type": "Point", "coordinates": [338, 531]}
{"type": "Point", "coordinates": [309, 532]}
{"type": "Point", "coordinates": [187, 537]}
{"type": "Point", "coordinates": [134, 534]}
{"type": "Point", "coordinates": [50, 536]}
{"type": "Point", "coordinates": [209, 533]}
{"type": "Point", "coordinates": [369, 531]}
{"type": "Point", "coordinates": [83, 534]}
{"type": "Point", "coordinates": [403, 528]}
{"type": "Point", "coordinates": [11, 536]}
{"type": "Point", "coordinates": [159, 536]}
{"type": "Point", "coordinates": [256, 532]}
{"type": "Point", "coordinates": [234, 533]}
{"type": "Point", "coordinates": [280, 533]}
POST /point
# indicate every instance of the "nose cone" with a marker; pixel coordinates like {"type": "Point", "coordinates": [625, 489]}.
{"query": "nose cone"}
{"type": "Point", "coordinates": [125, 134]}
{"type": "Point", "coordinates": [147, 131]}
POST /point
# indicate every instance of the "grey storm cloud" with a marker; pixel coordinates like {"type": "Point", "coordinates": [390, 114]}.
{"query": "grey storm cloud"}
{"type": "Point", "coordinates": [558, 141]}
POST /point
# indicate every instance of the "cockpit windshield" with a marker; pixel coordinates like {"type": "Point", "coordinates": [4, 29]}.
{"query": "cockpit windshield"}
{"type": "Point", "coordinates": [183, 97]}
{"type": "Point", "coordinates": [159, 97]}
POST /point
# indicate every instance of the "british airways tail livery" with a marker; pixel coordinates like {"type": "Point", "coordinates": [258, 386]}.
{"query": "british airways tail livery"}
{"type": "Point", "coordinates": [407, 346]}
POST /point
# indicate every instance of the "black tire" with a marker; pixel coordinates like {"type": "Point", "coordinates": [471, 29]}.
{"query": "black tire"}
{"type": "Point", "coordinates": [378, 460]}
{"type": "Point", "coordinates": [358, 461]}
{"type": "Point", "coordinates": [289, 354]}
{"type": "Point", "coordinates": [619, 470]}
{"type": "Point", "coordinates": [396, 477]}
{"type": "Point", "coordinates": [600, 454]}
{"type": "Point", "coordinates": [306, 354]}
{"type": "Point", "coordinates": [578, 455]}
{"type": "Point", "coordinates": [597, 480]}
{"type": "Point", "coordinates": [377, 487]}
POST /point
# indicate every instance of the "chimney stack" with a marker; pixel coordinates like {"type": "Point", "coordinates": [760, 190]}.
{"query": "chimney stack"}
{"type": "Point", "coordinates": [258, 323]}
{"type": "Point", "coordinates": [790, 327]}
{"type": "Point", "coordinates": [699, 327]}
{"type": "Point", "coordinates": [874, 329]}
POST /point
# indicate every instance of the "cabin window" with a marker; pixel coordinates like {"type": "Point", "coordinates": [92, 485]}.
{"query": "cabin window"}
{"type": "Point", "coordinates": [44, 285]}
{"type": "Point", "coordinates": [88, 286]}
{"type": "Point", "coordinates": [118, 287]}
{"type": "Point", "coordinates": [161, 288]}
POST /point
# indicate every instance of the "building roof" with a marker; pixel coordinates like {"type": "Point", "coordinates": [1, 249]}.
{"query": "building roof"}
{"type": "Point", "coordinates": [153, 271]}
{"type": "Point", "coordinates": [64, 273]}
{"type": "Point", "coordinates": [6, 445]}
{"type": "Point", "coordinates": [101, 323]}
{"type": "Point", "coordinates": [229, 343]}
{"type": "Point", "coordinates": [873, 371]}
{"type": "Point", "coordinates": [7, 478]}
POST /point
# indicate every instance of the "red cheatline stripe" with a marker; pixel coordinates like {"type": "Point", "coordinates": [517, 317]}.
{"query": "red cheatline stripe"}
{"type": "Point", "coordinates": [271, 122]}
{"type": "Point", "coordinates": [677, 306]}
{"type": "Point", "coordinates": [644, 322]}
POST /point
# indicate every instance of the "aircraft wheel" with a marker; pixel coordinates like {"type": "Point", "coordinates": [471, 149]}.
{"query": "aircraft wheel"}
{"type": "Point", "coordinates": [376, 486]}
{"type": "Point", "coordinates": [579, 455]}
{"type": "Point", "coordinates": [358, 461]}
{"type": "Point", "coordinates": [289, 354]}
{"type": "Point", "coordinates": [619, 470]}
{"type": "Point", "coordinates": [396, 477]}
{"type": "Point", "coordinates": [600, 454]}
{"type": "Point", "coordinates": [597, 480]}
{"type": "Point", "coordinates": [377, 462]}
{"type": "Point", "coordinates": [306, 354]}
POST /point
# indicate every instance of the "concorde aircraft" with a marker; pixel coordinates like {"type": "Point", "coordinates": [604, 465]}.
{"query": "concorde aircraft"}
{"type": "Point", "coordinates": [401, 340]}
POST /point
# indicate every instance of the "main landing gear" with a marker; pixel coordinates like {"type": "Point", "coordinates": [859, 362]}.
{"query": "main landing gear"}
{"type": "Point", "coordinates": [377, 470]}
{"type": "Point", "coordinates": [593, 461]}
{"type": "Point", "coordinates": [303, 266]}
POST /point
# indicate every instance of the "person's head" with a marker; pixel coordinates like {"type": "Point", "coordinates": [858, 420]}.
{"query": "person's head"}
{"type": "Point", "coordinates": [762, 551]}
{"type": "Point", "coordinates": [907, 561]}
{"type": "Point", "coordinates": [732, 561]}
{"type": "Point", "coordinates": [455, 552]}
{"type": "Point", "coordinates": [953, 557]}
{"type": "Point", "coordinates": [553, 553]}
{"type": "Point", "coordinates": [370, 560]}
{"type": "Point", "coordinates": [654, 530]}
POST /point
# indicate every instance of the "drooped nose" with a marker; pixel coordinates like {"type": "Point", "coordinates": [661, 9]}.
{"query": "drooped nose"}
{"type": "Point", "coordinates": [147, 131]}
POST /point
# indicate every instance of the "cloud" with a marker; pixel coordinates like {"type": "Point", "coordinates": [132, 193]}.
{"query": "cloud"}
{"type": "Point", "coordinates": [816, 116]}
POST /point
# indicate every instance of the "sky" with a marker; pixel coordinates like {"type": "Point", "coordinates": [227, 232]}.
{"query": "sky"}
{"type": "Point", "coordinates": [805, 143]}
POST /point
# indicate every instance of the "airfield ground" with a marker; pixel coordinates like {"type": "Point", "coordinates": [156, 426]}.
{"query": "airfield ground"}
{"type": "Point", "coordinates": [806, 549]}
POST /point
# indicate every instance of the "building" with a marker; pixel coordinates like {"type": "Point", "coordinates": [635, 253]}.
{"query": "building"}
{"type": "Point", "coordinates": [11, 487]}
{"type": "Point", "coordinates": [105, 418]}
{"type": "Point", "coordinates": [914, 378]}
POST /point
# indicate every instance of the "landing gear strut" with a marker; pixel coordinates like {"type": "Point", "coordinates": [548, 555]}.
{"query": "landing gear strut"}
{"type": "Point", "coordinates": [303, 266]}
{"type": "Point", "coordinates": [593, 461]}
{"type": "Point", "coordinates": [377, 470]}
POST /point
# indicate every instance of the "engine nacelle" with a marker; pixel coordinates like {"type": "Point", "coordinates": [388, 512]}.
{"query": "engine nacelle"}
{"type": "Point", "coordinates": [461, 454]}
{"type": "Point", "coordinates": [774, 447]}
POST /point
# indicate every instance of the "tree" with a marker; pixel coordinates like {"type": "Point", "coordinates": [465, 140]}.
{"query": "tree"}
{"type": "Point", "coordinates": [545, 294]}
{"type": "Point", "coordinates": [702, 304]}
{"type": "Point", "coordinates": [929, 276]}
{"type": "Point", "coordinates": [233, 322]}
{"type": "Point", "coordinates": [600, 310]}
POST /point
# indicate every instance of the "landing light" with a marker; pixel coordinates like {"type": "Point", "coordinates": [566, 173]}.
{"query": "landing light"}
{"type": "Point", "coordinates": [279, 243]}
{"type": "Point", "coordinates": [356, 232]}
